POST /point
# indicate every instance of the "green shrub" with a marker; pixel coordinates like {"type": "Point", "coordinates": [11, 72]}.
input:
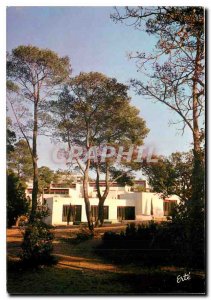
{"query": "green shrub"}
{"type": "Point", "coordinates": [150, 244]}
{"type": "Point", "coordinates": [17, 203]}
{"type": "Point", "coordinates": [37, 243]}
{"type": "Point", "coordinates": [84, 235]}
{"type": "Point", "coordinates": [131, 230]}
{"type": "Point", "coordinates": [110, 236]}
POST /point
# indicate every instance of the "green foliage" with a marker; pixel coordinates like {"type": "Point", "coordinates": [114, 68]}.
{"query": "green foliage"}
{"type": "Point", "coordinates": [37, 243]}
{"type": "Point", "coordinates": [190, 214]}
{"type": "Point", "coordinates": [138, 188]}
{"type": "Point", "coordinates": [104, 105]}
{"type": "Point", "coordinates": [175, 71]}
{"type": "Point", "coordinates": [46, 175]}
{"type": "Point", "coordinates": [17, 204]}
{"type": "Point", "coordinates": [36, 73]}
{"type": "Point", "coordinates": [12, 87]}
{"type": "Point", "coordinates": [151, 244]}
{"type": "Point", "coordinates": [109, 236]}
{"type": "Point", "coordinates": [20, 160]}
{"type": "Point", "coordinates": [171, 175]}
{"type": "Point", "coordinates": [94, 110]}
{"type": "Point", "coordinates": [63, 177]}
{"type": "Point", "coordinates": [175, 175]}
{"type": "Point", "coordinates": [26, 61]}
{"type": "Point", "coordinates": [11, 138]}
{"type": "Point", "coordinates": [122, 178]}
{"type": "Point", "coordinates": [84, 235]}
{"type": "Point", "coordinates": [33, 76]}
{"type": "Point", "coordinates": [177, 55]}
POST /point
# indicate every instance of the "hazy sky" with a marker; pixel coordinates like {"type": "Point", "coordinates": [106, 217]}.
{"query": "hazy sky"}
{"type": "Point", "coordinates": [94, 43]}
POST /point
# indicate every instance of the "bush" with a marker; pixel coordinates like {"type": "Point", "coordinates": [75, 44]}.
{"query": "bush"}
{"type": "Point", "coordinates": [17, 204]}
{"type": "Point", "coordinates": [84, 235]}
{"type": "Point", "coordinates": [22, 221]}
{"type": "Point", "coordinates": [131, 230]}
{"type": "Point", "coordinates": [110, 236]}
{"type": "Point", "coordinates": [148, 244]}
{"type": "Point", "coordinates": [37, 243]}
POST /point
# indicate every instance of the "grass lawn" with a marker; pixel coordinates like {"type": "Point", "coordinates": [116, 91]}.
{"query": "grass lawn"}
{"type": "Point", "coordinates": [81, 271]}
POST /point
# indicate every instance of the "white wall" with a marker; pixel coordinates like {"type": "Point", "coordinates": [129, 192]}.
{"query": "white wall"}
{"type": "Point", "coordinates": [56, 206]}
{"type": "Point", "coordinates": [48, 219]}
{"type": "Point", "coordinates": [143, 202]}
{"type": "Point", "coordinates": [152, 202]}
{"type": "Point", "coordinates": [114, 203]}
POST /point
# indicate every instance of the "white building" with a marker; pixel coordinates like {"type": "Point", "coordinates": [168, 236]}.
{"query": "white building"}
{"type": "Point", "coordinates": [121, 204]}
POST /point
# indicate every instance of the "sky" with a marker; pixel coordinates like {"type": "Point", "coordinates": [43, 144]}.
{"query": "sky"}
{"type": "Point", "coordinates": [95, 43]}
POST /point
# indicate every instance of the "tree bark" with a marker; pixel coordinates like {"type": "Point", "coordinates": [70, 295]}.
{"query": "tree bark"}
{"type": "Point", "coordinates": [86, 196]}
{"type": "Point", "coordinates": [35, 166]}
{"type": "Point", "coordinates": [196, 133]}
{"type": "Point", "coordinates": [102, 198]}
{"type": "Point", "coordinates": [42, 196]}
{"type": "Point", "coordinates": [197, 175]}
{"type": "Point", "coordinates": [196, 229]}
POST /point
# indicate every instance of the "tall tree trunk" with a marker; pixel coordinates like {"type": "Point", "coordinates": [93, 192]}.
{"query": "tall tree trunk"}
{"type": "Point", "coordinates": [102, 198]}
{"type": "Point", "coordinates": [197, 184]}
{"type": "Point", "coordinates": [86, 196]}
{"type": "Point", "coordinates": [196, 133]}
{"type": "Point", "coordinates": [35, 167]}
{"type": "Point", "coordinates": [100, 219]}
{"type": "Point", "coordinates": [196, 228]}
{"type": "Point", "coordinates": [43, 196]}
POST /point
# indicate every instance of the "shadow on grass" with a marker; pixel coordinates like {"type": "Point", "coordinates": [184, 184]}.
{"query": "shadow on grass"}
{"type": "Point", "coordinates": [82, 271]}
{"type": "Point", "coordinates": [58, 280]}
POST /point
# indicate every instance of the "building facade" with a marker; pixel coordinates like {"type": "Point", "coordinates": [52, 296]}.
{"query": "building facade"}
{"type": "Point", "coordinates": [66, 204]}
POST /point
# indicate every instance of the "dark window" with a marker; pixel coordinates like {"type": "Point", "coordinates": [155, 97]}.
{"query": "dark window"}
{"type": "Point", "coordinates": [71, 213]}
{"type": "Point", "coordinates": [168, 206]}
{"type": "Point", "coordinates": [58, 192]}
{"type": "Point", "coordinates": [94, 210]}
{"type": "Point", "coordinates": [77, 213]}
{"type": "Point", "coordinates": [65, 212]}
{"type": "Point", "coordinates": [125, 213]}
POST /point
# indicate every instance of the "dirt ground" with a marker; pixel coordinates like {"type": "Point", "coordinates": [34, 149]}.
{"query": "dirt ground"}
{"type": "Point", "coordinates": [71, 256]}
{"type": "Point", "coordinates": [89, 273]}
